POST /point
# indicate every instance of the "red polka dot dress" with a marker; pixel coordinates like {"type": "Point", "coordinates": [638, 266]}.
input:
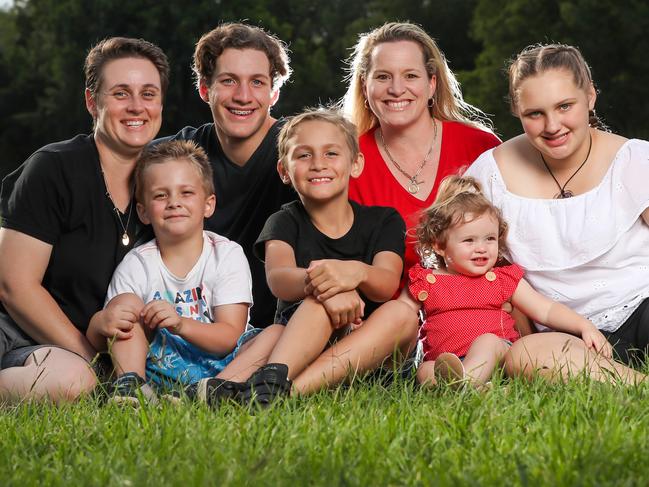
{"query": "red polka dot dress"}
{"type": "Point", "coordinates": [458, 308]}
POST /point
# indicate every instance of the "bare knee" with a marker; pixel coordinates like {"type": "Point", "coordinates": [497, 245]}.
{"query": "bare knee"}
{"type": "Point", "coordinates": [59, 375]}
{"type": "Point", "coordinates": [402, 320]}
{"type": "Point", "coordinates": [128, 299]}
{"type": "Point", "coordinates": [555, 356]}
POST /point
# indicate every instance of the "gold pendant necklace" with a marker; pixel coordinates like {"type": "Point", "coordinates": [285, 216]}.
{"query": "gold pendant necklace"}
{"type": "Point", "coordinates": [125, 238]}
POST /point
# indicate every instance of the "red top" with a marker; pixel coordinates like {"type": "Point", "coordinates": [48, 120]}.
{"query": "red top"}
{"type": "Point", "coordinates": [461, 145]}
{"type": "Point", "coordinates": [459, 308]}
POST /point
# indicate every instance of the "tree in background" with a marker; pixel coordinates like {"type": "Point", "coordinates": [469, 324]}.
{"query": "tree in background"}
{"type": "Point", "coordinates": [610, 34]}
{"type": "Point", "coordinates": [43, 44]}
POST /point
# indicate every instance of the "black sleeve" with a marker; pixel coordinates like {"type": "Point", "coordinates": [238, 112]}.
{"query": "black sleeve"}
{"type": "Point", "coordinates": [33, 198]}
{"type": "Point", "coordinates": [392, 232]}
{"type": "Point", "coordinates": [281, 225]}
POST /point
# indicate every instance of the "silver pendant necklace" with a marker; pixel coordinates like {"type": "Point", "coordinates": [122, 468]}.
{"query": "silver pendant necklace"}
{"type": "Point", "coordinates": [125, 238]}
{"type": "Point", "coordinates": [413, 184]}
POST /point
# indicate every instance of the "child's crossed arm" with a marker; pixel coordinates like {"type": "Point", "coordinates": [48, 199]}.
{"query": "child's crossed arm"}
{"type": "Point", "coordinates": [378, 281]}
{"type": "Point", "coordinates": [333, 282]}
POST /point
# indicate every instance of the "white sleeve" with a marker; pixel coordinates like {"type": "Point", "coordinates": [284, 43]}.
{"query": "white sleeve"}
{"type": "Point", "coordinates": [630, 173]}
{"type": "Point", "coordinates": [231, 282]}
{"type": "Point", "coordinates": [485, 171]}
{"type": "Point", "coordinates": [129, 277]}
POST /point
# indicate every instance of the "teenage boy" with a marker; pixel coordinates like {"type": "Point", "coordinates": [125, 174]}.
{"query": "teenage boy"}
{"type": "Point", "coordinates": [240, 69]}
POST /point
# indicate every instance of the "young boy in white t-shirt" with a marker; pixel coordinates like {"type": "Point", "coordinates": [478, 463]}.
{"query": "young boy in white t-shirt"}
{"type": "Point", "coordinates": [177, 306]}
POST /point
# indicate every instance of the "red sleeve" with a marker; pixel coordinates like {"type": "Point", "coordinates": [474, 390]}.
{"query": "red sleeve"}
{"type": "Point", "coordinates": [509, 277]}
{"type": "Point", "coordinates": [416, 280]}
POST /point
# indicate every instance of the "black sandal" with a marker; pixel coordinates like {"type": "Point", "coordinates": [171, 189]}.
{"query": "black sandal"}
{"type": "Point", "coordinates": [214, 391]}
{"type": "Point", "coordinates": [266, 385]}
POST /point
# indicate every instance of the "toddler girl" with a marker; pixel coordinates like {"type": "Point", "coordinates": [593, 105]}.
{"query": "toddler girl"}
{"type": "Point", "coordinates": [466, 333]}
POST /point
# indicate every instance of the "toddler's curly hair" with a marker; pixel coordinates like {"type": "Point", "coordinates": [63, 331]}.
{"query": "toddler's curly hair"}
{"type": "Point", "coordinates": [459, 200]}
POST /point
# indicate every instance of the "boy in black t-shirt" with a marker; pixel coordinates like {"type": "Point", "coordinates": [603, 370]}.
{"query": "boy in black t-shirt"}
{"type": "Point", "coordinates": [330, 262]}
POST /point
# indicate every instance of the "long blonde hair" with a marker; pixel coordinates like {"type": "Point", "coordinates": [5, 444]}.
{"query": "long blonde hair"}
{"type": "Point", "coordinates": [457, 198]}
{"type": "Point", "coordinates": [448, 103]}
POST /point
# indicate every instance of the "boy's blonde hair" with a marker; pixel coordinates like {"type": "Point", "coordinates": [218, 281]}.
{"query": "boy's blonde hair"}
{"type": "Point", "coordinates": [329, 115]}
{"type": "Point", "coordinates": [185, 150]}
{"type": "Point", "coordinates": [457, 198]}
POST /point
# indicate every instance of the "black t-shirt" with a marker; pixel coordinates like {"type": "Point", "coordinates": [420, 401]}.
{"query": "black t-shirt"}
{"type": "Point", "coordinates": [245, 197]}
{"type": "Point", "coordinates": [59, 197]}
{"type": "Point", "coordinates": [375, 229]}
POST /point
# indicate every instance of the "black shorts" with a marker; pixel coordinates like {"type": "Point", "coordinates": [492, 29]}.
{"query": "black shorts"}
{"type": "Point", "coordinates": [15, 346]}
{"type": "Point", "coordinates": [286, 314]}
{"type": "Point", "coordinates": [631, 340]}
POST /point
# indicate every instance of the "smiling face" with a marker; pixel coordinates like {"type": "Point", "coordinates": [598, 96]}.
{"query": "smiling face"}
{"type": "Point", "coordinates": [174, 200]}
{"type": "Point", "coordinates": [554, 113]}
{"type": "Point", "coordinates": [319, 162]}
{"type": "Point", "coordinates": [128, 107]}
{"type": "Point", "coordinates": [471, 246]}
{"type": "Point", "coordinates": [398, 87]}
{"type": "Point", "coordinates": [240, 94]}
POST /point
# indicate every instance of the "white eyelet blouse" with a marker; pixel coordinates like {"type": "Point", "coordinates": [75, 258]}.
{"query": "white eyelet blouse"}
{"type": "Point", "coordinates": [589, 252]}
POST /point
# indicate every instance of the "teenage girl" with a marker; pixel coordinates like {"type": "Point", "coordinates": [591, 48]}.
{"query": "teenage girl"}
{"type": "Point", "coordinates": [576, 199]}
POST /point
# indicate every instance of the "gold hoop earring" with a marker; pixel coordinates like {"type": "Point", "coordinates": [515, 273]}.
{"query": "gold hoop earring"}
{"type": "Point", "coordinates": [365, 103]}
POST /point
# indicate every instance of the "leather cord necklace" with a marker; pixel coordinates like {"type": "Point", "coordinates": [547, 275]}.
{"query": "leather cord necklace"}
{"type": "Point", "coordinates": [563, 192]}
{"type": "Point", "coordinates": [413, 184]}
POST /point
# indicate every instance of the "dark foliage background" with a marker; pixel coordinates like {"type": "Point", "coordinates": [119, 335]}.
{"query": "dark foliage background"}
{"type": "Point", "coordinates": [43, 44]}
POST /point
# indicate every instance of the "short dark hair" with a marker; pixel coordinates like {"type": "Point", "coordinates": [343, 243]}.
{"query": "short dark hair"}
{"type": "Point", "coordinates": [185, 150]}
{"type": "Point", "coordinates": [118, 48]}
{"type": "Point", "coordinates": [240, 36]}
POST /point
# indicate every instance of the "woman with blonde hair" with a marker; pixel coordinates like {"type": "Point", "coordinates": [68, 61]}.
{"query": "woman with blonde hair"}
{"type": "Point", "coordinates": [416, 127]}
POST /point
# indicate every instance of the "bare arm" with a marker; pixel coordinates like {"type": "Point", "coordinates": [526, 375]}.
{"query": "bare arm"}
{"type": "Point", "coordinates": [558, 317]}
{"type": "Point", "coordinates": [378, 281]}
{"type": "Point", "coordinates": [406, 298]}
{"type": "Point", "coordinates": [22, 267]}
{"type": "Point", "coordinates": [218, 338]}
{"type": "Point", "coordinates": [645, 216]}
{"type": "Point", "coordinates": [285, 278]}
{"type": "Point", "coordinates": [523, 323]}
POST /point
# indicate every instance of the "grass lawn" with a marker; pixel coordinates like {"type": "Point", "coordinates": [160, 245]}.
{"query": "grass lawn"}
{"type": "Point", "coordinates": [581, 433]}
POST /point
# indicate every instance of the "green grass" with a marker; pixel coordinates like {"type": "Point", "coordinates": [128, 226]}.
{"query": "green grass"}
{"type": "Point", "coordinates": [581, 433]}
